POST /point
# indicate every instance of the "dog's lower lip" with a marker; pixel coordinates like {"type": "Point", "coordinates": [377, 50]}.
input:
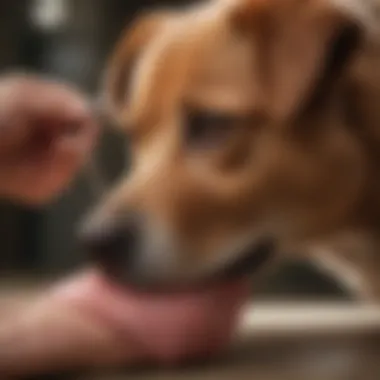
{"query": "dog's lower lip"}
{"type": "Point", "coordinates": [247, 263]}
{"type": "Point", "coordinates": [250, 261]}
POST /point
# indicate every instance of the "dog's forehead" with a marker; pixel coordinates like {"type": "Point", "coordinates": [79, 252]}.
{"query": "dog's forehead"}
{"type": "Point", "coordinates": [197, 58]}
{"type": "Point", "coordinates": [224, 78]}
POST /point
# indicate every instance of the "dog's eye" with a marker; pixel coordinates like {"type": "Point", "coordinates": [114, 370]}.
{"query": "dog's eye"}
{"type": "Point", "coordinates": [208, 129]}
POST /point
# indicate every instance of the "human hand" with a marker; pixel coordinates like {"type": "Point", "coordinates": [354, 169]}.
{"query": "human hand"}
{"type": "Point", "coordinates": [46, 134]}
{"type": "Point", "coordinates": [87, 322]}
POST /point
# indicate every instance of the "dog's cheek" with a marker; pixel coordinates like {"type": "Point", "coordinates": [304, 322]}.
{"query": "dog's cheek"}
{"type": "Point", "coordinates": [205, 224]}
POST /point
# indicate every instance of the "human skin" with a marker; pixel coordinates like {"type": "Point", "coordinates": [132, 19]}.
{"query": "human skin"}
{"type": "Point", "coordinates": [86, 322]}
{"type": "Point", "coordinates": [47, 133]}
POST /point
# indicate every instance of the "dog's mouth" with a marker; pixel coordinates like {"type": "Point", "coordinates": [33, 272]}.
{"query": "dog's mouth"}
{"type": "Point", "coordinates": [248, 263]}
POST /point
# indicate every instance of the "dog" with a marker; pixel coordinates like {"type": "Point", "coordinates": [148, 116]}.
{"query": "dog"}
{"type": "Point", "coordinates": [254, 135]}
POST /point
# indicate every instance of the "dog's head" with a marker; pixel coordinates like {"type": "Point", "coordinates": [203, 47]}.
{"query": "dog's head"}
{"type": "Point", "coordinates": [237, 136]}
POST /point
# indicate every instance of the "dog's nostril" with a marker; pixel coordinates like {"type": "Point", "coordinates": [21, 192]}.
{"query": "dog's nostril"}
{"type": "Point", "coordinates": [111, 246]}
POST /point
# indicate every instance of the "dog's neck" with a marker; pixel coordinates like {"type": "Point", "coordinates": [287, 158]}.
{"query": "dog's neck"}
{"type": "Point", "coordinates": [355, 101]}
{"type": "Point", "coordinates": [361, 102]}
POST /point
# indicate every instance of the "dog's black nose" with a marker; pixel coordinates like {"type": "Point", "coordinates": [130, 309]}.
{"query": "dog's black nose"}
{"type": "Point", "coordinates": [111, 245]}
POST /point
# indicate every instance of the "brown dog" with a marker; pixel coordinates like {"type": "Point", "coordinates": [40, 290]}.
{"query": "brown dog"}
{"type": "Point", "coordinates": [47, 134]}
{"type": "Point", "coordinates": [250, 122]}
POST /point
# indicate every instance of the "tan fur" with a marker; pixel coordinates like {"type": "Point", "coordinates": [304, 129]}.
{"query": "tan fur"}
{"type": "Point", "coordinates": [308, 179]}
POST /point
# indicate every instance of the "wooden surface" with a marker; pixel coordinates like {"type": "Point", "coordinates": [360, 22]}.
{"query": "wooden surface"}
{"type": "Point", "coordinates": [276, 342]}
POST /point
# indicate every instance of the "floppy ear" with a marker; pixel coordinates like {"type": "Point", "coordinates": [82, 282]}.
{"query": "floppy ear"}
{"type": "Point", "coordinates": [126, 52]}
{"type": "Point", "coordinates": [303, 48]}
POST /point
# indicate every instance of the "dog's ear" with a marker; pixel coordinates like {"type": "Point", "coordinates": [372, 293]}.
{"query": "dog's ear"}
{"type": "Point", "coordinates": [303, 48]}
{"type": "Point", "coordinates": [120, 66]}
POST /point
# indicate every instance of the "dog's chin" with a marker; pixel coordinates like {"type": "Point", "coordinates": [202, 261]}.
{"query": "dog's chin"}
{"type": "Point", "coordinates": [248, 263]}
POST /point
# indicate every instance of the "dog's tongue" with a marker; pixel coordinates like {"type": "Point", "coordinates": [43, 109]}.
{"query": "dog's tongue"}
{"type": "Point", "coordinates": [165, 326]}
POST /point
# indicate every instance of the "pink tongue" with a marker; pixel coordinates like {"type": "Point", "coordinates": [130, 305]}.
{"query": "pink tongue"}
{"type": "Point", "coordinates": [167, 327]}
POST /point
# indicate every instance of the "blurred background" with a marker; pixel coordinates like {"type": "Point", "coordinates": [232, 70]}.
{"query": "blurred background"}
{"type": "Point", "coordinates": [70, 39]}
